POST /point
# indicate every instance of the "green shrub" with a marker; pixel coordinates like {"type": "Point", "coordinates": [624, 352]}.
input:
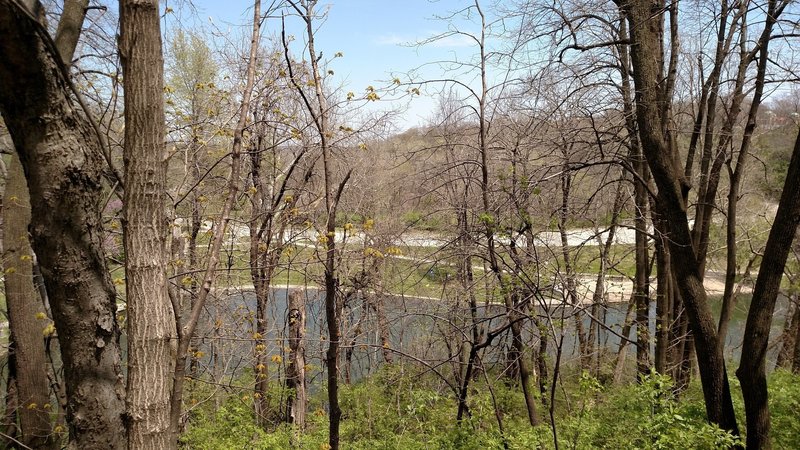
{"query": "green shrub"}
{"type": "Point", "coordinates": [649, 416]}
{"type": "Point", "coordinates": [784, 405]}
{"type": "Point", "coordinates": [402, 408]}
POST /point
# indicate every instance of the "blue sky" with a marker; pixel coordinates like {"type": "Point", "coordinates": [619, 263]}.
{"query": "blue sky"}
{"type": "Point", "coordinates": [373, 35]}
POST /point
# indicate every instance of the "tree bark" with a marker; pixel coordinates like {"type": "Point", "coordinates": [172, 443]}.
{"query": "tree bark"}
{"type": "Point", "coordinates": [796, 352]}
{"type": "Point", "coordinates": [619, 364]}
{"type": "Point", "coordinates": [641, 285]}
{"type": "Point", "coordinates": [789, 334]}
{"type": "Point", "coordinates": [69, 28]}
{"type": "Point", "coordinates": [151, 322]}
{"type": "Point", "coordinates": [571, 278]}
{"type": "Point", "coordinates": [61, 153]}
{"type": "Point", "coordinates": [663, 298]}
{"type": "Point", "coordinates": [261, 275]}
{"type": "Point", "coordinates": [333, 301]}
{"type": "Point", "coordinates": [645, 19]}
{"type": "Point", "coordinates": [752, 370]}
{"type": "Point", "coordinates": [25, 313]}
{"type": "Point", "coordinates": [295, 371]}
{"type": "Point", "coordinates": [186, 332]}
{"type": "Point", "coordinates": [518, 357]}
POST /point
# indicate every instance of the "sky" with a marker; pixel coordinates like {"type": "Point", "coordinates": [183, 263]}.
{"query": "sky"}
{"type": "Point", "coordinates": [376, 38]}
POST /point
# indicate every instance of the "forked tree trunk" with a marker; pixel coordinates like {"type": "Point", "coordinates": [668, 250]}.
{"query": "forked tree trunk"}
{"type": "Point", "coordinates": [646, 24]}
{"type": "Point", "coordinates": [63, 159]}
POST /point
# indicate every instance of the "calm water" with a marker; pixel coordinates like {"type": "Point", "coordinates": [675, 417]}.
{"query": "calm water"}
{"type": "Point", "coordinates": [419, 329]}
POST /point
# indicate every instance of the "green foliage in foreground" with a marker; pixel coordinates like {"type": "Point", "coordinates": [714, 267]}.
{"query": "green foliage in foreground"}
{"type": "Point", "coordinates": [398, 409]}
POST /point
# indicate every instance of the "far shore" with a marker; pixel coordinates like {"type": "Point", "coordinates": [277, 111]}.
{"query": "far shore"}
{"type": "Point", "coordinates": [617, 289]}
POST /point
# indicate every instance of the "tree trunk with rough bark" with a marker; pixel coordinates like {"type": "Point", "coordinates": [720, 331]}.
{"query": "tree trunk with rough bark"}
{"type": "Point", "coordinates": [261, 269]}
{"type": "Point", "coordinates": [62, 154]}
{"type": "Point", "coordinates": [69, 28]}
{"type": "Point", "coordinates": [789, 334]}
{"type": "Point", "coordinates": [663, 298]}
{"type": "Point", "coordinates": [645, 19]}
{"type": "Point", "coordinates": [752, 371]}
{"type": "Point", "coordinates": [151, 323]}
{"type": "Point", "coordinates": [26, 317]}
{"type": "Point", "coordinates": [295, 371]}
{"type": "Point", "coordinates": [796, 353]}
{"type": "Point", "coordinates": [627, 324]}
{"type": "Point", "coordinates": [641, 285]}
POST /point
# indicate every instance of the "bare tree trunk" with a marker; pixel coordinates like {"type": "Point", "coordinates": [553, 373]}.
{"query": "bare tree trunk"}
{"type": "Point", "coordinates": [541, 362]}
{"type": "Point", "coordinates": [572, 289]}
{"type": "Point", "coordinates": [663, 298]}
{"type": "Point", "coordinates": [186, 332]}
{"type": "Point", "coordinates": [752, 370]}
{"type": "Point", "coordinates": [466, 278]}
{"type": "Point", "coordinates": [525, 380]}
{"type": "Point", "coordinates": [789, 334]}
{"type": "Point", "coordinates": [10, 428]}
{"type": "Point", "coordinates": [637, 303]}
{"type": "Point", "coordinates": [383, 328]}
{"type": "Point", "coordinates": [261, 271]}
{"type": "Point", "coordinates": [264, 266]}
{"type": "Point", "coordinates": [25, 313]}
{"type": "Point", "coordinates": [518, 358]}
{"type": "Point", "coordinates": [62, 154]}
{"type": "Point", "coordinates": [295, 371]}
{"type": "Point", "coordinates": [641, 285]}
{"type": "Point", "coordinates": [647, 57]}
{"type": "Point", "coordinates": [151, 323]}
{"type": "Point", "coordinates": [619, 365]}
{"type": "Point", "coordinates": [69, 28]}
{"type": "Point", "coordinates": [796, 353]}
{"type": "Point", "coordinates": [333, 301]}
{"type": "Point", "coordinates": [194, 231]}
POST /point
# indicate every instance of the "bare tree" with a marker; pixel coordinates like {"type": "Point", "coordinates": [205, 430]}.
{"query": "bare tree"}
{"type": "Point", "coordinates": [652, 97]}
{"type": "Point", "coordinates": [752, 369]}
{"type": "Point", "coordinates": [25, 314]}
{"type": "Point", "coordinates": [62, 152]}
{"type": "Point", "coordinates": [186, 332]}
{"type": "Point", "coordinates": [295, 372]}
{"type": "Point", "coordinates": [150, 318]}
{"type": "Point", "coordinates": [317, 107]}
